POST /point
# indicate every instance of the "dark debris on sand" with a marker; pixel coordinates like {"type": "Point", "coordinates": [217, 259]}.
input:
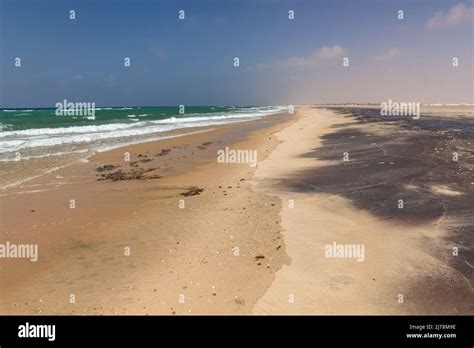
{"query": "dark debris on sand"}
{"type": "Point", "coordinates": [192, 191]}
{"type": "Point", "coordinates": [204, 146]}
{"type": "Point", "coordinates": [134, 174]}
{"type": "Point", "coordinates": [105, 168]}
{"type": "Point", "coordinates": [135, 163]}
{"type": "Point", "coordinates": [121, 175]}
{"type": "Point", "coordinates": [163, 152]}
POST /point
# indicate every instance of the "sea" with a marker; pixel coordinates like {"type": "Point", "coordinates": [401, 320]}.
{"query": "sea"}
{"type": "Point", "coordinates": [36, 141]}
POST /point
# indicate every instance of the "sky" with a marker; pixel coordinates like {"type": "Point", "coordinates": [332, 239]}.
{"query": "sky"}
{"type": "Point", "coordinates": [191, 61]}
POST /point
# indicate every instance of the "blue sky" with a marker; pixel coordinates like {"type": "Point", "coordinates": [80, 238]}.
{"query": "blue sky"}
{"type": "Point", "coordinates": [190, 61]}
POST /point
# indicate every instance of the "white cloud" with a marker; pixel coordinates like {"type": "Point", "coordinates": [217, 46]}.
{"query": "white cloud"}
{"type": "Point", "coordinates": [457, 14]}
{"type": "Point", "coordinates": [385, 56]}
{"type": "Point", "coordinates": [324, 53]}
{"type": "Point", "coordinates": [329, 53]}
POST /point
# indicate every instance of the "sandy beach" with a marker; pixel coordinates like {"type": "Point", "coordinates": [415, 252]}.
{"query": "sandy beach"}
{"type": "Point", "coordinates": [243, 172]}
{"type": "Point", "coordinates": [187, 254]}
{"type": "Point", "coordinates": [326, 200]}
{"type": "Point", "coordinates": [172, 231]}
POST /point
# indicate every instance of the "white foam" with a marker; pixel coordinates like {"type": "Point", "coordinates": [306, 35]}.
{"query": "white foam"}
{"type": "Point", "coordinates": [67, 130]}
{"type": "Point", "coordinates": [11, 141]}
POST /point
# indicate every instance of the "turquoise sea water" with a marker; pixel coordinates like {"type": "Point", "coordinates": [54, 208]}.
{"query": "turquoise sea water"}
{"type": "Point", "coordinates": [36, 141]}
{"type": "Point", "coordinates": [24, 130]}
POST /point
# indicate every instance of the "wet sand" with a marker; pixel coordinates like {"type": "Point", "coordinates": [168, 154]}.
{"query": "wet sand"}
{"type": "Point", "coordinates": [252, 240]}
{"type": "Point", "coordinates": [144, 244]}
{"type": "Point", "coordinates": [408, 251]}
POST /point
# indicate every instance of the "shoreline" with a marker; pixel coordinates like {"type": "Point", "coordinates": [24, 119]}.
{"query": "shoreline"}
{"type": "Point", "coordinates": [208, 238]}
{"type": "Point", "coordinates": [86, 159]}
{"type": "Point", "coordinates": [176, 252]}
{"type": "Point", "coordinates": [67, 156]}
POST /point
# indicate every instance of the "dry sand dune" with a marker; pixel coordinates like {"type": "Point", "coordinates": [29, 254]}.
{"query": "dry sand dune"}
{"type": "Point", "coordinates": [399, 256]}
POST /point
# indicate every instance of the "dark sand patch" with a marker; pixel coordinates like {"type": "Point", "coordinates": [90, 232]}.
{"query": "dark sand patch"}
{"type": "Point", "coordinates": [402, 158]}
